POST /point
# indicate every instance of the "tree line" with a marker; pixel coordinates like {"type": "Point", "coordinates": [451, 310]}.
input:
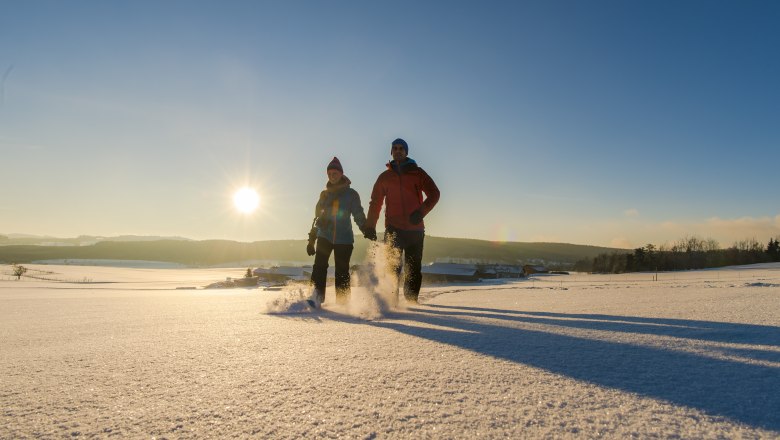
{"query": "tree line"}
{"type": "Point", "coordinates": [685, 254]}
{"type": "Point", "coordinates": [213, 252]}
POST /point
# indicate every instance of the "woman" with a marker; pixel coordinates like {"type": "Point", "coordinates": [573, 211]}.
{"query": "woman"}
{"type": "Point", "coordinates": [332, 231]}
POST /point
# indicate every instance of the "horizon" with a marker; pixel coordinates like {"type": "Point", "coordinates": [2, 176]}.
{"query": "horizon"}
{"type": "Point", "coordinates": [17, 236]}
{"type": "Point", "coordinates": [606, 124]}
{"type": "Point", "coordinates": [14, 235]}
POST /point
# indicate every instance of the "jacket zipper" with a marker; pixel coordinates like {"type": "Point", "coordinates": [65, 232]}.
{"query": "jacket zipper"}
{"type": "Point", "coordinates": [335, 207]}
{"type": "Point", "coordinates": [401, 189]}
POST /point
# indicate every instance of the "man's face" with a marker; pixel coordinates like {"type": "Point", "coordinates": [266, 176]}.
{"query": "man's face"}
{"type": "Point", "coordinates": [398, 152]}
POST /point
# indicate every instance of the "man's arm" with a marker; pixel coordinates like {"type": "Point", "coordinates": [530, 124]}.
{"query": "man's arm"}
{"type": "Point", "coordinates": [431, 193]}
{"type": "Point", "coordinates": [375, 205]}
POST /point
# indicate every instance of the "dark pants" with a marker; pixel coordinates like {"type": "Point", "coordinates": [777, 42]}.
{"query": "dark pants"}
{"type": "Point", "coordinates": [408, 246]}
{"type": "Point", "coordinates": [319, 274]}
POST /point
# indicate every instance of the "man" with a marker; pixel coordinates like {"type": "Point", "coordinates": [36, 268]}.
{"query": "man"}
{"type": "Point", "coordinates": [401, 188]}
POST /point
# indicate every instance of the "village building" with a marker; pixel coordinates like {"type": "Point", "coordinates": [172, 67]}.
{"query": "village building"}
{"type": "Point", "coordinates": [450, 272]}
{"type": "Point", "coordinates": [282, 274]}
{"type": "Point", "coordinates": [530, 269]}
{"type": "Point", "coordinates": [503, 271]}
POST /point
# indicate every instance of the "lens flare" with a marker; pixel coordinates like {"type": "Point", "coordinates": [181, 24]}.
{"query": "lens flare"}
{"type": "Point", "coordinates": [503, 233]}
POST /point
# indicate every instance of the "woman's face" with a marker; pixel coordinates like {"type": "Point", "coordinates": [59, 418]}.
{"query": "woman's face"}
{"type": "Point", "coordinates": [334, 176]}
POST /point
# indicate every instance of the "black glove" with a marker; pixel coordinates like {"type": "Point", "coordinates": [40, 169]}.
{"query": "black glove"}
{"type": "Point", "coordinates": [369, 233]}
{"type": "Point", "coordinates": [416, 217]}
{"type": "Point", "coordinates": [312, 239]}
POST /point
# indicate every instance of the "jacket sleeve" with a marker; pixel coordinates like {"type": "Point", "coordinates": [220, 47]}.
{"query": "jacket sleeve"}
{"type": "Point", "coordinates": [431, 193]}
{"type": "Point", "coordinates": [318, 208]}
{"type": "Point", "coordinates": [375, 205]}
{"type": "Point", "coordinates": [357, 210]}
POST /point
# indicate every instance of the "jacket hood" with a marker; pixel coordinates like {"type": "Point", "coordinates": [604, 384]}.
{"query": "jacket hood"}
{"type": "Point", "coordinates": [406, 165]}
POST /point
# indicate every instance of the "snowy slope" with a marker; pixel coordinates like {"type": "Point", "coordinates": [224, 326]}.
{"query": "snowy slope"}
{"type": "Point", "coordinates": [692, 355]}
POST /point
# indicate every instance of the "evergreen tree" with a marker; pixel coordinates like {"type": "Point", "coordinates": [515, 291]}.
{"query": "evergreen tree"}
{"type": "Point", "coordinates": [773, 249]}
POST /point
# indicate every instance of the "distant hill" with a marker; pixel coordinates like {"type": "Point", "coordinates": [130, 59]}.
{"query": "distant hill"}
{"type": "Point", "coordinates": [217, 252]}
{"type": "Point", "coordinates": [81, 240]}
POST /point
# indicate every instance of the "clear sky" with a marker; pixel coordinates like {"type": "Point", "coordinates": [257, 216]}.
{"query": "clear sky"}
{"type": "Point", "coordinates": [615, 123]}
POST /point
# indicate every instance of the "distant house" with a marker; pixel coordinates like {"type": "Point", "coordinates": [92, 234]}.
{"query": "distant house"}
{"type": "Point", "coordinates": [331, 273]}
{"type": "Point", "coordinates": [282, 274]}
{"type": "Point", "coordinates": [449, 272]}
{"type": "Point", "coordinates": [508, 271]}
{"type": "Point", "coordinates": [487, 271]}
{"type": "Point", "coordinates": [529, 269]}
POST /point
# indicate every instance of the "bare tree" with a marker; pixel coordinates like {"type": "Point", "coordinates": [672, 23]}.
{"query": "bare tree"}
{"type": "Point", "coordinates": [711, 245]}
{"type": "Point", "coordinates": [749, 245]}
{"type": "Point", "coordinates": [19, 271]}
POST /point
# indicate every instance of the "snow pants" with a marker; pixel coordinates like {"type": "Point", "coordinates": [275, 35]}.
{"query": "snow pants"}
{"type": "Point", "coordinates": [319, 274]}
{"type": "Point", "coordinates": [408, 251]}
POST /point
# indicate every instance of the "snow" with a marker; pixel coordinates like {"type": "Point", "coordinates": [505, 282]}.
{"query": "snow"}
{"type": "Point", "coordinates": [109, 351]}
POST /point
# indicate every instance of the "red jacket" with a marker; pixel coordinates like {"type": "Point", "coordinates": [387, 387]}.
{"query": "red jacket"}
{"type": "Point", "coordinates": [402, 189]}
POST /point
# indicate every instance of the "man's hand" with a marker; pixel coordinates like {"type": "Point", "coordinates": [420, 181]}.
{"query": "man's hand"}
{"type": "Point", "coordinates": [416, 217]}
{"type": "Point", "coordinates": [310, 249]}
{"type": "Point", "coordinates": [370, 233]}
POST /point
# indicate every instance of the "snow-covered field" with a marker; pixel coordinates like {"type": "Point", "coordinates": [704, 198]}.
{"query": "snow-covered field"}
{"type": "Point", "coordinates": [107, 351]}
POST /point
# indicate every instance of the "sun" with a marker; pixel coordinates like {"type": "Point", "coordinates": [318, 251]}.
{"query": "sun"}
{"type": "Point", "coordinates": [246, 200]}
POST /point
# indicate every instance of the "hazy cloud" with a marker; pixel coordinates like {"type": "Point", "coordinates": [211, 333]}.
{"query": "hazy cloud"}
{"type": "Point", "coordinates": [725, 231]}
{"type": "Point", "coordinates": [621, 242]}
{"type": "Point", "coordinates": [546, 239]}
{"type": "Point", "coordinates": [630, 233]}
{"type": "Point", "coordinates": [745, 227]}
{"type": "Point", "coordinates": [633, 212]}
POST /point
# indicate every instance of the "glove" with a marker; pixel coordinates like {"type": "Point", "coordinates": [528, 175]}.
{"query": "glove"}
{"type": "Point", "coordinates": [416, 217]}
{"type": "Point", "coordinates": [312, 239]}
{"type": "Point", "coordinates": [369, 233]}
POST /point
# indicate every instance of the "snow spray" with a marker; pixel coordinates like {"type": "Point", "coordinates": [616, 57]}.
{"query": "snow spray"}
{"type": "Point", "coordinates": [375, 294]}
{"type": "Point", "coordinates": [289, 299]}
{"type": "Point", "coordinates": [378, 282]}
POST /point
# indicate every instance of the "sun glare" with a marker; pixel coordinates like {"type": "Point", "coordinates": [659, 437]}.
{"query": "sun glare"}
{"type": "Point", "coordinates": [246, 200]}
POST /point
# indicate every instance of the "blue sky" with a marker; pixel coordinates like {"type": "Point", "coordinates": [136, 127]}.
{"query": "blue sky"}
{"type": "Point", "coordinates": [614, 123]}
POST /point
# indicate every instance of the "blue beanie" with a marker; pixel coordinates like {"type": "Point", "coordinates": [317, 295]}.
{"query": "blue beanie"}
{"type": "Point", "coordinates": [402, 142]}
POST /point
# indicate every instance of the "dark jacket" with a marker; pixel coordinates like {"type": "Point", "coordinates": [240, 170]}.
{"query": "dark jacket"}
{"type": "Point", "coordinates": [401, 187]}
{"type": "Point", "coordinates": [336, 204]}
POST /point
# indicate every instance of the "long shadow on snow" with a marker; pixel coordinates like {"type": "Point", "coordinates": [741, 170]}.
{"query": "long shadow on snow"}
{"type": "Point", "coordinates": [742, 392]}
{"type": "Point", "coordinates": [679, 328]}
